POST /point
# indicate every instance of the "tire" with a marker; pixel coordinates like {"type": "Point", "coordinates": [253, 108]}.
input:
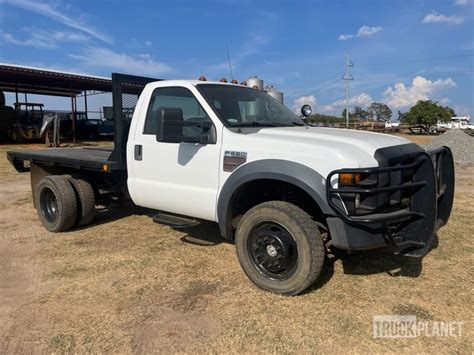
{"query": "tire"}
{"type": "Point", "coordinates": [85, 200]}
{"type": "Point", "coordinates": [56, 203]}
{"type": "Point", "coordinates": [279, 247]}
{"type": "Point", "coordinates": [16, 137]}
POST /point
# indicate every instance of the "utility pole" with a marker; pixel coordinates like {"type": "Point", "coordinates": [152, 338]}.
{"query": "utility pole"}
{"type": "Point", "coordinates": [347, 77]}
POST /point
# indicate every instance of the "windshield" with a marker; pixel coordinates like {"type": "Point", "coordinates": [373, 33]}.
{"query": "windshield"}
{"type": "Point", "coordinates": [239, 106]}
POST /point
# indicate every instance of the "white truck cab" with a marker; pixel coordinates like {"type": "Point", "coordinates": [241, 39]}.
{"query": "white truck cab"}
{"type": "Point", "coordinates": [168, 172]}
{"type": "Point", "coordinates": [284, 192]}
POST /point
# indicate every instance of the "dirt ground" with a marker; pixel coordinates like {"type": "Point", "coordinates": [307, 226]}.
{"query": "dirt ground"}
{"type": "Point", "coordinates": [128, 285]}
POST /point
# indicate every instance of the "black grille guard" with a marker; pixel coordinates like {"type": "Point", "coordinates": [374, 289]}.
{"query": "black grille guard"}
{"type": "Point", "coordinates": [375, 217]}
{"type": "Point", "coordinates": [409, 228]}
{"type": "Point", "coordinates": [440, 161]}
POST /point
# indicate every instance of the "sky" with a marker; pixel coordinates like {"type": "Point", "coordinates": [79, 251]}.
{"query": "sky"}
{"type": "Point", "coordinates": [402, 51]}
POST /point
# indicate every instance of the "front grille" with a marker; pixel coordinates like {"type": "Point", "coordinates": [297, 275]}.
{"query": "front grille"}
{"type": "Point", "coordinates": [397, 199]}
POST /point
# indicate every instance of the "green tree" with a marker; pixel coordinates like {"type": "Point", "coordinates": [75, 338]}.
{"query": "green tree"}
{"type": "Point", "coordinates": [343, 114]}
{"type": "Point", "coordinates": [379, 111]}
{"type": "Point", "coordinates": [450, 111]}
{"type": "Point", "coordinates": [401, 116]}
{"type": "Point", "coordinates": [359, 113]}
{"type": "Point", "coordinates": [427, 113]}
{"type": "Point", "coordinates": [325, 119]}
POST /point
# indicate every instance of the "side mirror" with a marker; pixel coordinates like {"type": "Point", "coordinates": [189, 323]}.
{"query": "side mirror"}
{"type": "Point", "coordinates": [170, 125]}
{"type": "Point", "coordinates": [306, 110]}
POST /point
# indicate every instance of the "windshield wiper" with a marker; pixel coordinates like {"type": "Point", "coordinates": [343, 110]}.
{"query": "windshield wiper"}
{"type": "Point", "coordinates": [298, 124]}
{"type": "Point", "coordinates": [258, 124]}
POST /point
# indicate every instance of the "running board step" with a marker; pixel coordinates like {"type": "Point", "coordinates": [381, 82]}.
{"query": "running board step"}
{"type": "Point", "coordinates": [175, 221]}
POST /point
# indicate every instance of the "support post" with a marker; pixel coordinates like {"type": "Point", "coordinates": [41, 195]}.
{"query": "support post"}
{"type": "Point", "coordinates": [85, 104]}
{"type": "Point", "coordinates": [73, 115]}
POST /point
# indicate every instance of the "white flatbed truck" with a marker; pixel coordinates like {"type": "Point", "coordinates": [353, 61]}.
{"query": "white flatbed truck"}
{"type": "Point", "coordinates": [200, 150]}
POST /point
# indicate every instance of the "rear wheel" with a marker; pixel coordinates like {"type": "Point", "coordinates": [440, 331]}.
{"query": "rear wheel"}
{"type": "Point", "coordinates": [16, 137]}
{"type": "Point", "coordinates": [85, 200]}
{"type": "Point", "coordinates": [56, 203]}
{"type": "Point", "coordinates": [279, 247]}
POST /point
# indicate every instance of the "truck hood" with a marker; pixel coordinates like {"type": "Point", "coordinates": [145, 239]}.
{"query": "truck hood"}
{"type": "Point", "coordinates": [322, 149]}
{"type": "Point", "coordinates": [367, 141]}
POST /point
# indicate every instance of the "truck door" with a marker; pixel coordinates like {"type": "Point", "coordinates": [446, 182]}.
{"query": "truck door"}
{"type": "Point", "coordinates": [182, 177]}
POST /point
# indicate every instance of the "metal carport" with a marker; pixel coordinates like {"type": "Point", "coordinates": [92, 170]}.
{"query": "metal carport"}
{"type": "Point", "coordinates": [30, 80]}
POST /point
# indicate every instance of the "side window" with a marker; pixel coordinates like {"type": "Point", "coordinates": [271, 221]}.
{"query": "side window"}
{"type": "Point", "coordinates": [176, 97]}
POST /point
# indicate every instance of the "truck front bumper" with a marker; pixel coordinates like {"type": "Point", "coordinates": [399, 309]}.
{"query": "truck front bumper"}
{"type": "Point", "coordinates": [401, 203]}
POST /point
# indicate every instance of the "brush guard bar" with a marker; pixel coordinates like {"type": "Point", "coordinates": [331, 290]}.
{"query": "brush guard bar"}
{"type": "Point", "coordinates": [409, 200]}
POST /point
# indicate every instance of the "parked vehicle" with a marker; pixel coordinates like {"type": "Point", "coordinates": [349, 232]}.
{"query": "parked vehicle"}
{"type": "Point", "coordinates": [455, 123]}
{"type": "Point", "coordinates": [7, 116]}
{"type": "Point", "coordinates": [284, 192]}
{"type": "Point", "coordinates": [106, 129]}
{"type": "Point", "coordinates": [27, 123]}
{"type": "Point", "coordinates": [86, 128]}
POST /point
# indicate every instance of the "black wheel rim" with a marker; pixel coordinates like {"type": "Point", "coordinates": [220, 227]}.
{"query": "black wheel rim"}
{"type": "Point", "coordinates": [273, 250]}
{"type": "Point", "coordinates": [49, 205]}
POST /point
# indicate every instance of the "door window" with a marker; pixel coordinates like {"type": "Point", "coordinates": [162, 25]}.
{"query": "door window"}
{"type": "Point", "coordinates": [175, 97]}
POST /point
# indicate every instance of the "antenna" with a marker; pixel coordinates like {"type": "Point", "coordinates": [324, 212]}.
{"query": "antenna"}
{"type": "Point", "coordinates": [228, 60]}
{"type": "Point", "coordinates": [347, 77]}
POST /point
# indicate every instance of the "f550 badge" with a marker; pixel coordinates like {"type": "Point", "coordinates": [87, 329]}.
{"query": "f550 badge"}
{"type": "Point", "coordinates": [233, 159]}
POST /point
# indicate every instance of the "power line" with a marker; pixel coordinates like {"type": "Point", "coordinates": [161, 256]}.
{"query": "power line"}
{"type": "Point", "coordinates": [325, 86]}
{"type": "Point", "coordinates": [416, 60]}
{"type": "Point", "coordinates": [331, 89]}
{"type": "Point", "coordinates": [395, 76]}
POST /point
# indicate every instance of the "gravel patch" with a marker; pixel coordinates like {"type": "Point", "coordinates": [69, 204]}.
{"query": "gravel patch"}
{"type": "Point", "coordinates": [461, 144]}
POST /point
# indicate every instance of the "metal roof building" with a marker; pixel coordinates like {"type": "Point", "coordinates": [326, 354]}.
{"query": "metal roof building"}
{"type": "Point", "coordinates": [31, 80]}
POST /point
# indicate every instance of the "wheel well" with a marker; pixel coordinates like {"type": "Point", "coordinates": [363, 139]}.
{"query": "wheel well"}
{"type": "Point", "coordinates": [258, 191]}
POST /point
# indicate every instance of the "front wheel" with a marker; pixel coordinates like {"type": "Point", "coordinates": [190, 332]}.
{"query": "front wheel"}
{"type": "Point", "coordinates": [279, 247]}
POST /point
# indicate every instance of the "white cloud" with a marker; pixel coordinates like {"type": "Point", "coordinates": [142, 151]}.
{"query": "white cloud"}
{"type": "Point", "coordinates": [344, 37]}
{"type": "Point", "coordinates": [43, 39]}
{"type": "Point", "coordinates": [364, 31]}
{"type": "Point", "coordinates": [401, 96]}
{"type": "Point", "coordinates": [362, 100]}
{"type": "Point", "coordinates": [53, 13]}
{"type": "Point", "coordinates": [304, 100]}
{"type": "Point", "coordinates": [434, 17]}
{"type": "Point", "coordinates": [460, 2]}
{"type": "Point", "coordinates": [144, 64]}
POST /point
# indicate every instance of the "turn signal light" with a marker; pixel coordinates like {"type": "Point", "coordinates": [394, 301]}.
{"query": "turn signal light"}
{"type": "Point", "coordinates": [349, 178]}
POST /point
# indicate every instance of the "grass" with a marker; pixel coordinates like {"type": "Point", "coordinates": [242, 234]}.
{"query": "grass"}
{"type": "Point", "coordinates": [130, 285]}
